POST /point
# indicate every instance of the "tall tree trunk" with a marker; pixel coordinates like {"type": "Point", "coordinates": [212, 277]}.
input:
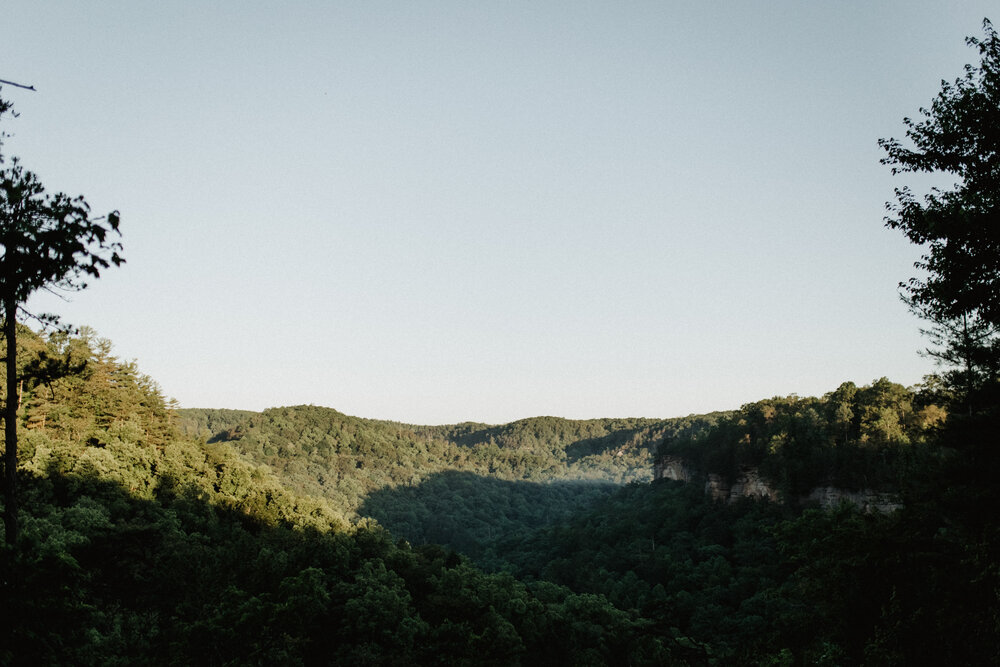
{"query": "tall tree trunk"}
{"type": "Point", "coordinates": [10, 423]}
{"type": "Point", "coordinates": [967, 344]}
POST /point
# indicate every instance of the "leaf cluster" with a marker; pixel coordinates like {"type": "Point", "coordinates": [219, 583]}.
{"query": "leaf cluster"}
{"type": "Point", "coordinates": [50, 240]}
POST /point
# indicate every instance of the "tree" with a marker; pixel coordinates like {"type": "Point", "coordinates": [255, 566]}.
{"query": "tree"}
{"type": "Point", "coordinates": [47, 242]}
{"type": "Point", "coordinates": [969, 345]}
{"type": "Point", "coordinates": [958, 136]}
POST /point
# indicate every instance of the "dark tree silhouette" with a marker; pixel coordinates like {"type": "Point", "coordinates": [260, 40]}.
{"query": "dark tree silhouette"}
{"type": "Point", "coordinates": [47, 242]}
{"type": "Point", "coordinates": [958, 136]}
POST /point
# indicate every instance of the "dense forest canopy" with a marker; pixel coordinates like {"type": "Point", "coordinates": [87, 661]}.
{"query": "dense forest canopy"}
{"type": "Point", "coordinates": [324, 452]}
{"type": "Point", "coordinates": [852, 438]}
{"type": "Point", "coordinates": [150, 545]}
{"type": "Point", "coordinates": [141, 546]}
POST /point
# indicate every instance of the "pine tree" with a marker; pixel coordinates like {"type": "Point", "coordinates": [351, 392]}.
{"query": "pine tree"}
{"type": "Point", "coordinates": [48, 241]}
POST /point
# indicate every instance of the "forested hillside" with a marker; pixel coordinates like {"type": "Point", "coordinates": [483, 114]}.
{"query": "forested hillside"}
{"type": "Point", "coordinates": [324, 452]}
{"type": "Point", "coordinates": [853, 438]}
{"type": "Point", "coordinates": [465, 486]}
{"type": "Point", "coordinates": [142, 545]}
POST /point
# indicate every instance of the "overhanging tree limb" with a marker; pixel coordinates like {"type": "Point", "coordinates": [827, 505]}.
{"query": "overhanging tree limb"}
{"type": "Point", "coordinates": [19, 85]}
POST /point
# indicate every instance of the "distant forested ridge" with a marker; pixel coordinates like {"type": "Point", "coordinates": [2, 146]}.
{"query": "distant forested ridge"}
{"type": "Point", "coordinates": [472, 487]}
{"type": "Point", "coordinates": [324, 452]}
{"type": "Point", "coordinates": [465, 486]}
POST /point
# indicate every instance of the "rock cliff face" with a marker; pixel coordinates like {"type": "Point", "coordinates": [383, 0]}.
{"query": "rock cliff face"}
{"type": "Point", "coordinates": [750, 484]}
{"type": "Point", "coordinates": [671, 467]}
{"type": "Point", "coordinates": [866, 499]}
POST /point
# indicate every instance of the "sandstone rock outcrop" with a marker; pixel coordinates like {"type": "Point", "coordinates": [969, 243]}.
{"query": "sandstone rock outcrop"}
{"type": "Point", "coordinates": [750, 484]}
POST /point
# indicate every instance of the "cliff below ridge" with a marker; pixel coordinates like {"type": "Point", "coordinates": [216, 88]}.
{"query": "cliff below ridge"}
{"type": "Point", "coordinates": [749, 483]}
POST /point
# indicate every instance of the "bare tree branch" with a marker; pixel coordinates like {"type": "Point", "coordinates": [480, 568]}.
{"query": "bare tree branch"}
{"type": "Point", "coordinates": [19, 85]}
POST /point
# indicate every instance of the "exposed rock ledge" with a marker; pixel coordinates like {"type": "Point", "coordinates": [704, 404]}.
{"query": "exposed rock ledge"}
{"type": "Point", "coordinates": [750, 484]}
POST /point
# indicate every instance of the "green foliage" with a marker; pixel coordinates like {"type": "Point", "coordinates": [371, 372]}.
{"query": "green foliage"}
{"type": "Point", "coordinates": [142, 547]}
{"type": "Point", "coordinates": [476, 515]}
{"type": "Point", "coordinates": [48, 241]}
{"type": "Point", "coordinates": [225, 537]}
{"type": "Point", "coordinates": [853, 438]}
{"type": "Point", "coordinates": [704, 573]}
{"type": "Point", "coordinates": [959, 292]}
{"type": "Point", "coordinates": [73, 388]}
{"type": "Point", "coordinates": [104, 577]}
{"type": "Point", "coordinates": [209, 424]}
{"type": "Point", "coordinates": [320, 451]}
{"type": "Point", "coordinates": [918, 586]}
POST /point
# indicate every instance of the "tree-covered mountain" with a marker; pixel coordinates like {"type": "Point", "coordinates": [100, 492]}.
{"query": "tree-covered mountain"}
{"type": "Point", "coordinates": [324, 452]}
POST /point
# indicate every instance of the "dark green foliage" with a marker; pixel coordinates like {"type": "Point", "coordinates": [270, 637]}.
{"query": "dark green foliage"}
{"type": "Point", "coordinates": [476, 515]}
{"type": "Point", "coordinates": [226, 537]}
{"type": "Point", "coordinates": [209, 424]}
{"type": "Point", "coordinates": [104, 577]}
{"type": "Point", "coordinates": [959, 229]}
{"type": "Point", "coordinates": [852, 438]}
{"type": "Point", "coordinates": [958, 135]}
{"type": "Point", "coordinates": [920, 585]}
{"type": "Point", "coordinates": [142, 548]}
{"type": "Point", "coordinates": [49, 240]}
{"type": "Point", "coordinates": [705, 571]}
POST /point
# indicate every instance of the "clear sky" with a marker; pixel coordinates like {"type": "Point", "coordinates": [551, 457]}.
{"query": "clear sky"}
{"type": "Point", "coordinates": [444, 211]}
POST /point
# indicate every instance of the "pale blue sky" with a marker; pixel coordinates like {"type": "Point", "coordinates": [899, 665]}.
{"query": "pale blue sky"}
{"type": "Point", "coordinates": [443, 211]}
